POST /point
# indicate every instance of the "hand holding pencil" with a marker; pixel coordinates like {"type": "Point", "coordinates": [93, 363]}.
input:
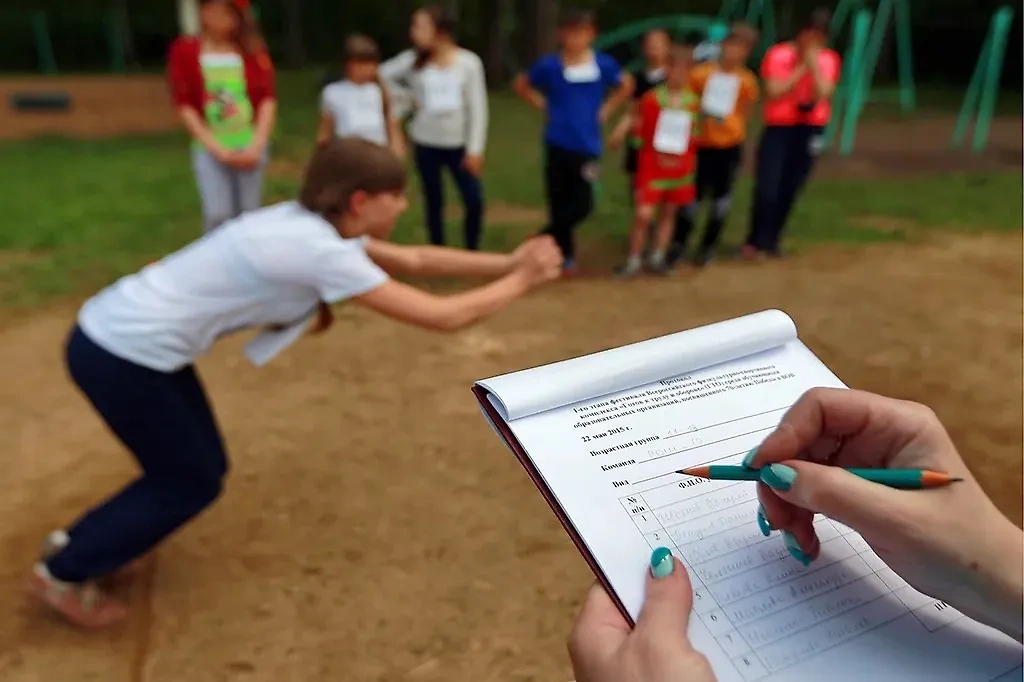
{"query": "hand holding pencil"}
{"type": "Point", "coordinates": [950, 542]}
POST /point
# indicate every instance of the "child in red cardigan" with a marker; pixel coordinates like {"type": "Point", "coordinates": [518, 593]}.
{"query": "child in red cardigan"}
{"type": "Point", "coordinates": [222, 83]}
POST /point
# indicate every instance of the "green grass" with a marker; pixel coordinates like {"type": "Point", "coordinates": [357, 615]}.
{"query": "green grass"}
{"type": "Point", "coordinates": [79, 213]}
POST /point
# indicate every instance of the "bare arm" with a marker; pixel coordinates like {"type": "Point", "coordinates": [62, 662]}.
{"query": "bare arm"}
{"type": "Point", "coordinates": [622, 93]}
{"type": "Point", "coordinates": [776, 87]}
{"type": "Point", "coordinates": [625, 125]}
{"type": "Point", "coordinates": [438, 261]}
{"type": "Point", "coordinates": [396, 139]}
{"type": "Point", "coordinates": [408, 304]}
{"type": "Point", "coordinates": [823, 87]}
{"type": "Point", "coordinates": [200, 132]}
{"type": "Point", "coordinates": [266, 116]}
{"type": "Point", "coordinates": [324, 131]}
{"type": "Point", "coordinates": [521, 86]}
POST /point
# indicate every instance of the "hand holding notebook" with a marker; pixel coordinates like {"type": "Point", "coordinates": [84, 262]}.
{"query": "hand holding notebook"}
{"type": "Point", "coordinates": [603, 435]}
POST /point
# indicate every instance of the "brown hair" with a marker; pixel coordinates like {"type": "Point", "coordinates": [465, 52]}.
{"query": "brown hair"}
{"type": "Point", "coordinates": [344, 166]}
{"type": "Point", "coordinates": [363, 48]}
{"type": "Point", "coordinates": [741, 30]}
{"type": "Point", "coordinates": [820, 20]}
{"type": "Point", "coordinates": [577, 18]}
{"type": "Point", "coordinates": [445, 23]}
{"type": "Point", "coordinates": [248, 37]}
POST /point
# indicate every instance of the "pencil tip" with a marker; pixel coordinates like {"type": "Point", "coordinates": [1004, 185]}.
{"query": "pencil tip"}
{"type": "Point", "coordinates": [956, 480]}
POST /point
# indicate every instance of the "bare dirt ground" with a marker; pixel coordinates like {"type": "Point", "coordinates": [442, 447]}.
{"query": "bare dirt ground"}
{"type": "Point", "coordinates": [374, 528]}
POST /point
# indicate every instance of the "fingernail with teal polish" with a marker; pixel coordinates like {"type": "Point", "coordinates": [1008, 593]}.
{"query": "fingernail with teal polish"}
{"type": "Point", "coordinates": [778, 476]}
{"type": "Point", "coordinates": [794, 548]}
{"type": "Point", "coordinates": [662, 564]}
{"type": "Point", "coordinates": [762, 522]}
{"type": "Point", "coordinates": [749, 459]}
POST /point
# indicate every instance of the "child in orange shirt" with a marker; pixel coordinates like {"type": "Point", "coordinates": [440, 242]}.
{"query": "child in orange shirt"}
{"type": "Point", "coordinates": [728, 90]}
{"type": "Point", "coordinates": [666, 162]}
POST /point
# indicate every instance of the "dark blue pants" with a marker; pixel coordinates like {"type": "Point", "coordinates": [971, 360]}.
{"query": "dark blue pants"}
{"type": "Point", "coordinates": [568, 185]}
{"type": "Point", "coordinates": [165, 420]}
{"type": "Point", "coordinates": [429, 162]}
{"type": "Point", "coordinates": [785, 157]}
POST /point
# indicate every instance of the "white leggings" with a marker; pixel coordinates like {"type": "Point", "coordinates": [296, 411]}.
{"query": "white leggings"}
{"type": "Point", "coordinates": [225, 192]}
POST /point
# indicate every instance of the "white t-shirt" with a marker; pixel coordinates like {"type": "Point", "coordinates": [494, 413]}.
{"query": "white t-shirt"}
{"type": "Point", "coordinates": [450, 103]}
{"type": "Point", "coordinates": [270, 266]}
{"type": "Point", "coordinates": [357, 110]}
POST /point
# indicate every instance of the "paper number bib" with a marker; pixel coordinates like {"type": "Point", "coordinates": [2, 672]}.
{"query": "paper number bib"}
{"type": "Point", "coordinates": [720, 95]}
{"type": "Point", "coordinates": [588, 72]}
{"type": "Point", "coordinates": [672, 134]}
{"type": "Point", "coordinates": [442, 90]}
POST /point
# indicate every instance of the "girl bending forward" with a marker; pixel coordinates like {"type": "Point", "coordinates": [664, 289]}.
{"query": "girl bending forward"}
{"type": "Point", "coordinates": [132, 349]}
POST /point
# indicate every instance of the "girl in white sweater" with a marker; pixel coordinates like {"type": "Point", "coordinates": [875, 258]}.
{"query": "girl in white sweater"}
{"type": "Point", "coordinates": [443, 84]}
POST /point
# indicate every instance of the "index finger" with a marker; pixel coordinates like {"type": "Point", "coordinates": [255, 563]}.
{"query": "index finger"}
{"type": "Point", "coordinates": [819, 413]}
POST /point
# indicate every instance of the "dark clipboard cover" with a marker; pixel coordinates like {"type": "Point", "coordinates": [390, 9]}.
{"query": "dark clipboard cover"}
{"type": "Point", "coordinates": [513, 443]}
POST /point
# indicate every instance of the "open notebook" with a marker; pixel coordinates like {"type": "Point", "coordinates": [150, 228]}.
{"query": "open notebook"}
{"type": "Point", "coordinates": [601, 436]}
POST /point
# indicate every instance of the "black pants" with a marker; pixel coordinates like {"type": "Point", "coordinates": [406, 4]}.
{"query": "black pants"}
{"type": "Point", "coordinates": [165, 420]}
{"type": "Point", "coordinates": [785, 157]}
{"type": "Point", "coordinates": [430, 161]}
{"type": "Point", "coordinates": [568, 178]}
{"type": "Point", "coordinates": [716, 175]}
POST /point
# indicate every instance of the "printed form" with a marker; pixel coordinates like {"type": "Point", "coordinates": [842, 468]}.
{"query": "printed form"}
{"type": "Point", "coordinates": [609, 461]}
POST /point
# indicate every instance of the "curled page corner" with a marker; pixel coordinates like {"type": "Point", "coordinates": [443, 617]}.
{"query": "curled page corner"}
{"type": "Point", "coordinates": [547, 387]}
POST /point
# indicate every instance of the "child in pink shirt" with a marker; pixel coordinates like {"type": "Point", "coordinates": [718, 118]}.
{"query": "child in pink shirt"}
{"type": "Point", "coordinates": [800, 77]}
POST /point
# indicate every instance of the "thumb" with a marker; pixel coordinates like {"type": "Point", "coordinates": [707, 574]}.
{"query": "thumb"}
{"type": "Point", "coordinates": [668, 598]}
{"type": "Point", "coordinates": [834, 492]}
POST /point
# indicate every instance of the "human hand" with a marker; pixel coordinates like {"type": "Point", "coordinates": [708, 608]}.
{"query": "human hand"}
{"type": "Point", "coordinates": [474, 163]}
{"type": "Point", "coordinates": [604, 649]}
{"type": "Point", "coordinates": [538, 260]}
{"type": "Point", "coordinates": [247, 159]}
{"type": "Point", "coordinates": [810, 54]}
{"type": "Point", "coordinates": [951, 543]}
{"type": "Point", "coordinates": [222, 154]}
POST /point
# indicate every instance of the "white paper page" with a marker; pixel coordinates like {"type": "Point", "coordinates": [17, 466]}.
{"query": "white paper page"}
{"type": "Point", "coordinates": [759, 614]}
{"type": "Point", "coordinates": [720, 94]}
{"type": "Point", "coordinates": [672, 133]}
{"type": "Point", "coordinates": [539, 389]}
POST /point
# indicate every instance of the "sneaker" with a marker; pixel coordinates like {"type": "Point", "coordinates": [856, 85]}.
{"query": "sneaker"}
{"type": "Point", "coordinates": [56, 541]}
{"type": "Point", "coordinates": [675, 253]}
{"type": "Point", "coordinates": [83, 604]}
{"type": "Point", "coordinates": [659, 268]}
{"type": "Point", "coordinates": [630, 269]}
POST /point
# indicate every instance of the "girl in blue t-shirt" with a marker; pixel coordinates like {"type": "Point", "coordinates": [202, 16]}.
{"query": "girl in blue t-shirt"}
{"type": "Point", "coordinates": [572, 87]}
